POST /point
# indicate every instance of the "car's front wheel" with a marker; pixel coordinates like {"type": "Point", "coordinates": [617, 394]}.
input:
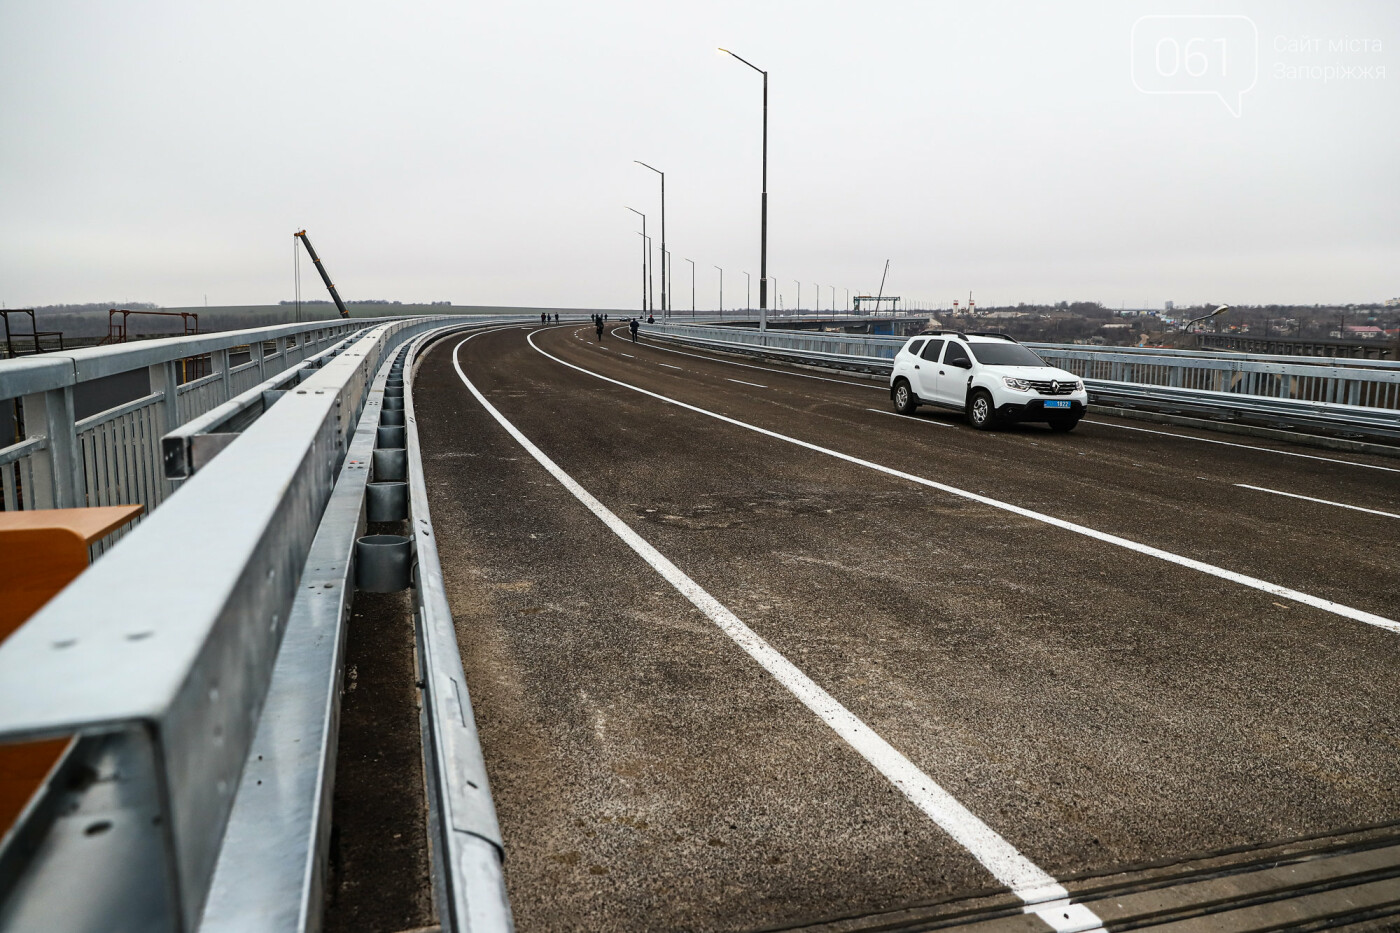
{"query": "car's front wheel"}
{"type": "Point", "coordinates": [981, 411]}
{"type": "Point", "coordinates": [903, 396]}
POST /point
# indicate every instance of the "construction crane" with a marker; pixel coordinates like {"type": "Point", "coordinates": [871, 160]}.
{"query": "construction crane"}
{"type": "Point", "coordinates": [311, 251]}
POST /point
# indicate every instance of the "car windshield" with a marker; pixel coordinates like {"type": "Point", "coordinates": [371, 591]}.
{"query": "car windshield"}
{"type": "Point", "coordinates": [1004, 354]}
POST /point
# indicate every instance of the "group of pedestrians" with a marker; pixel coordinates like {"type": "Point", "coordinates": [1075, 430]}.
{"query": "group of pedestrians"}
{"type": "Point", "coordinates": [544, 318]}
{"type": "Point", "coordinates": [599, 320]}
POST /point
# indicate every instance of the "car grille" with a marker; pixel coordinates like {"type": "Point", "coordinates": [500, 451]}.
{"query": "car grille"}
{"type": "Point", "coordinates": [1044, 387]}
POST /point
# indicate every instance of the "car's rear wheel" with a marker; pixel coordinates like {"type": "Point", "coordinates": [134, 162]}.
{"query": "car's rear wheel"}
{"type": "Point", "coordinates": [981, 411]}
{"type": "Point", "coordinates": [903, 396]}
{"type": "Point", "coordinates": [1063, 425]}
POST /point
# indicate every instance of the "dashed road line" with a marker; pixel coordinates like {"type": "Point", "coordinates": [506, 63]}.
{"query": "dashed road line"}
{"type": "Point", "coordinates": [1267, 450]}
{"type": "Point", "coordinates": [743, 383]}
{"type": "Point", "coordinates": [668, 365]}
{"type": "Point", "coordinates": [1340, 505]}
{"type": "Point", "coordinates": [1307, 599]}
{"type": "Point", "coordinates": [1043, 895]}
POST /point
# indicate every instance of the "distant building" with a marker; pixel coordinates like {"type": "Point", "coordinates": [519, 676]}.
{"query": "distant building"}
{"type": "Point", "coordinates": [1171, 306]}
{"type": "Point", "coordinates": [1365, 331]}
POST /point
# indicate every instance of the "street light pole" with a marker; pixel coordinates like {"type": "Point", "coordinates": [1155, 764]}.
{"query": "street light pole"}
{"type": "Point", "coordinates": [721, 290]}
{"type": "Point", "coordinates": [763, 228]}
{"type": "Point", "coordinates": [818, 299]}
{"type": "Point", "coordinates": [833, 301]}
{"type": "Point", "coordinates": [797, 309]}
{"type": "Point", "coordinates": [692, 286]}
{"type": "Point", "coordinates": [646, 245]}
{"type": "Point", "coordinates": [1220, 310]}
{"type": "Point", "coordinates": [665, 303]}
{"type": "Point", "coordinates": [748, 292]}
{"type": "Point", "coordinates": [645, 251]}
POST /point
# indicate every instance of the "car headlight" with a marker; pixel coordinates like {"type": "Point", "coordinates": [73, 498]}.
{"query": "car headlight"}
{"type": "Point", "coordinates": [1020, 385]}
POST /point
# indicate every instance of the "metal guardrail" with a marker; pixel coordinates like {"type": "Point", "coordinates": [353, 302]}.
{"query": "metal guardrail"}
{"type": "Point", "coordinates": [160, 659]}
{"type": "Point", "coordinates": [1351, 397]}
{"type": "Point", "coordinates": [114, 456]}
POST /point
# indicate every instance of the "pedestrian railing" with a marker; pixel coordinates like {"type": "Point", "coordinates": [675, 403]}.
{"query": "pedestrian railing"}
{"type": "Point", "coordinates": [57, 461]}
{"type": "Point", "coordinates": [196, 666]}
{"type": "Point", "coordinates": [1346, 396]}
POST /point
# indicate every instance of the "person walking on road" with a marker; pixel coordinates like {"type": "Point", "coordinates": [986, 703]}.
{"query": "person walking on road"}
{"type": "Point", "coordinates": [633, 325]}
{"type": "Point", "coordinates": [599, 327]}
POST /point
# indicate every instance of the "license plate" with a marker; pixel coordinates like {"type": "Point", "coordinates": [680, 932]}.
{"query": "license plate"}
{"type": "Point", "coordinates": [1057, 404]}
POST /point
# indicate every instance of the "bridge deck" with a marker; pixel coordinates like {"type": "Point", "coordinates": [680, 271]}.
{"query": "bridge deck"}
{"type": "Point", "coordinates": [1100, 708]}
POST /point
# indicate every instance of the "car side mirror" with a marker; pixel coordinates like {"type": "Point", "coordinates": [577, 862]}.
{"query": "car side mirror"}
{"type": "Point", "coordinates": [961, 364]}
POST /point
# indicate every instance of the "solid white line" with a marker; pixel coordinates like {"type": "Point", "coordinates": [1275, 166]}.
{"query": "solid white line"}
{"type": "Point", "coordinates": [629, 356]}
{"type": "Point", "coordinates": [1267, 450]}
{"type": "Point", "coordinates": [766, 369]}
{"type": "Point", "coordinates": [881, 411]}
{"type": "Point", "coordinates": [1317, 602]}
{"type": "Point", "coordinates": [743, 383]}
{"type": "Point", "coordinates": [1027, 880]}
{"type": "Point", "coordinates": [668, 365]}
{"type": "Point", "coordinates": [1340, 505]}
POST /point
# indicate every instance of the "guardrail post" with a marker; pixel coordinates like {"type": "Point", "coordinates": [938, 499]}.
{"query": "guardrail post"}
{"type": "Point", "coordinates": [58, 474]}
{"type": "Point", "coordinates": [165, 380]}
{"type": "Point", "coordinates": [220, 360]}
{"type": "Point", "coordinates": [256, 350]}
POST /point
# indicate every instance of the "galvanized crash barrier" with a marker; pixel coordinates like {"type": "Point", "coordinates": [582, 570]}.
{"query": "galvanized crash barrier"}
{"type": "Point", "coordinates": [1350, 398]}
{"type": "Point", "coordinates": [197, 663]}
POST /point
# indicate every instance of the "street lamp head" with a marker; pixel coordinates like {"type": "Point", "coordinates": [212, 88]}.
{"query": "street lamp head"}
{"type": "Point", "coordinates": [1220, 310]}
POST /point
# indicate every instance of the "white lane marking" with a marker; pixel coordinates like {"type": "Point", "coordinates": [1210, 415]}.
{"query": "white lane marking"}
{"type": "Point", "coordinates": [1267, 450]}
{"type": "Point", "coordinates": [1317, 602]}
{"type": "Point", "coordinates": [1027, 880]}
{"type": "Point", "coordinates": [629, 356]}
{"type": "Point", "coordinates": [668, 365]}
{"type": "Point", "coordinates": [881, 411]}
{"type": "Point", "coordinates": [743, 383]}
{"type": "Point", "coordinates": [768, 369]}
{"type": "Point", "coordinates": [1340, 505]}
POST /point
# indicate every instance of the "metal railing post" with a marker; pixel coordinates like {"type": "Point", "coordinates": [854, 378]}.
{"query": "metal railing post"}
{"type": "Point", "coordinates": [220, 360]}
{"type": "Point", "coordinates": [165, 380]}
{"type": "Point", "coordinates": [255, 349]}
{"type": "Point", "coordinates": [58, 474]}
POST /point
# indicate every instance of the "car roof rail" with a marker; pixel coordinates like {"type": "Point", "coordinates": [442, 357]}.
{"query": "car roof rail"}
{"type": "Point", "coordinates": [989, 333]}
{"type": "Point", "coordinates": [943, 333]}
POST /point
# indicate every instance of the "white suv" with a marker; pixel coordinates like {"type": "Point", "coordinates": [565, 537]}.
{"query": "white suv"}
{"type": "Point", "coordinates": [989, 376]}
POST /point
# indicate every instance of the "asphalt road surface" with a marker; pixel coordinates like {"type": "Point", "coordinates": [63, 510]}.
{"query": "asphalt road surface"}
{"type": "Point", "coordinates": [749, 651]}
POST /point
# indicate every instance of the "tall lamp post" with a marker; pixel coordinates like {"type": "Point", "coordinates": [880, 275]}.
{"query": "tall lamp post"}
{"type": "Point", "coordinates": [665, 292]}
{"type": "Point", "coordinates": [692, 285]}
{"type": "Point", "coordinates": [763, 228]}
{"type": "Point", "coordinates": [721, 290]}
{"type": "Point", "coordinates": [748, 292]}
{"type": "Point", "coordinates": [1220, 310]}
{"type": "Point", "coordinates": [833, 301]}
{"type": "Point", "coordinates": [797, 308]}
{"type": "Point", "coordinates": [646, 245]}
{"type": "Point", "coordinates": [818, 299]}
{"type": "Point", "coordinates": [645, 250]}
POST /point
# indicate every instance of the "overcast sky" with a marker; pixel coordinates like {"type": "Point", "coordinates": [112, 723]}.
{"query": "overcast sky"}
{"type": "Point", "coordinates": [482, 152]}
